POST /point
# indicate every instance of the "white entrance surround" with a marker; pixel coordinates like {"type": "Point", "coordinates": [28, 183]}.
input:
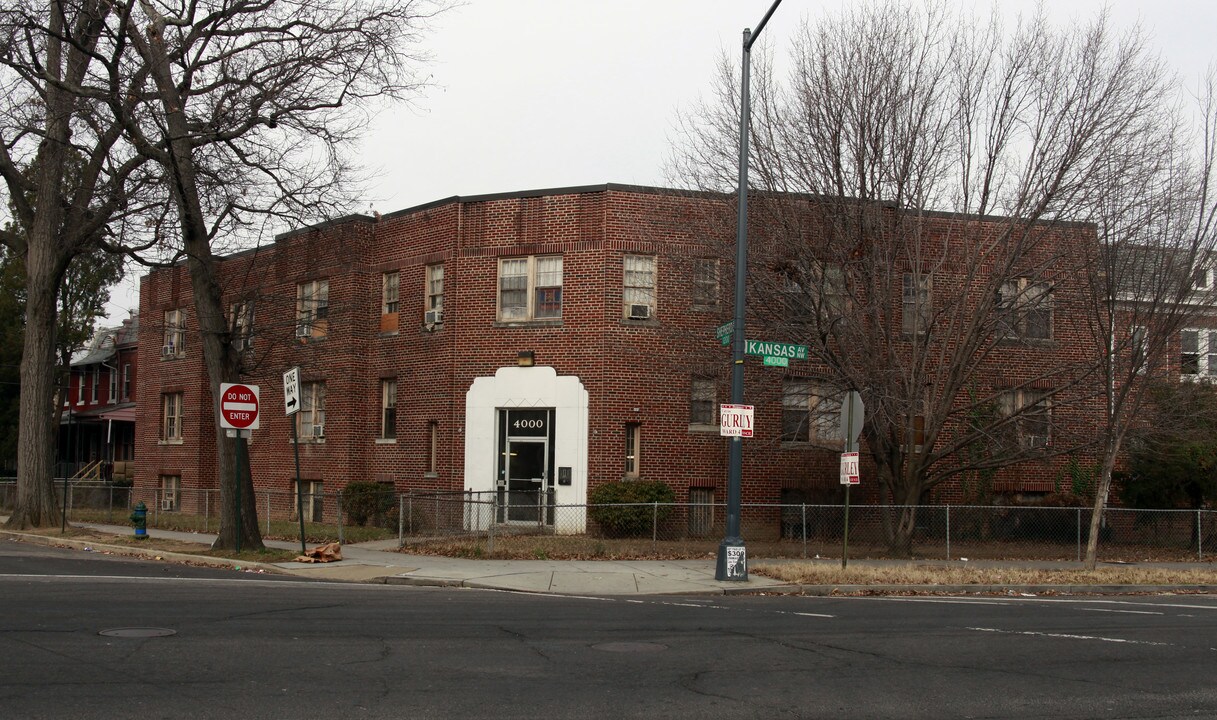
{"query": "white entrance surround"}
{"type": "Point", "coordinates": [527, 387]}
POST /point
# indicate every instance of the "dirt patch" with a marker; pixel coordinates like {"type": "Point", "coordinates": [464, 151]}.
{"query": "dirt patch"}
{"type": "Point", "coordinates": [160, 544]}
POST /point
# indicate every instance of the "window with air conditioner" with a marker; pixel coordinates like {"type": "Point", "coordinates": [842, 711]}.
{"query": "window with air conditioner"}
{"type": "Point", "coordinates": [310, 420]}
{"type": "Point", "coordinates": [170, 492]}
{"type": "Point", "coordinates": [638, 291]}
{"type": "Point", "coordinates": [312, 309]}
{"type": "Point", "coordinates": [1030, 427]}
{"type": "Point", "coordinates": [241, 325]}
{"type": "Point", "coordinates": [530, 288]}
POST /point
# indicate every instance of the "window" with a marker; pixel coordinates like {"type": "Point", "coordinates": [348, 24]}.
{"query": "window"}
{"type": "Point", "coordinates": [702, 403]}
{"type": "Point", "coordinates": [80, 388]}
{"type": "Point", "coordinates": [705, 282]}
{"type": "Point", "coordinates": [308, 493]}
{"type": "Point", "coordinates": [639, 290]}
{"type": "Point", "coordinates": [810, 413]}
{"type": "Point", "coordinates": [312, 309]}
{"type": "Point", "coordinates": [390, 285]}
{"type": "Point", "coordinates": [633, 441]}
{"type": "Point", "coordinates": [834, 295]}
{"type": "Point", "coordinates": [1200, 278]}
{"type": "Point", "coordinates": [1137, 340]}
{"type": "Point", "coordinates": [701, 511]}
{"type": "Point", "coordinates": [435, 293]}
{"type": "Point", "coordinates": [433, 456]}
{"type": "Point", "coordinates": [112, 389]}
{"type": "Point", "coordinates": [95, 385]}
{"type": "Point", "coordinates": [170, 492]}
{"type": "Point", "coordinates": [241, 325]}
{"type": "Point", "coordinates": [126, 381]}
{"type": "Point", "coordinates": [388, 409]}
{"type": "Point", "coordinates": [310, 421]}
{"type": "Point", "coordinates": [1198, 353]}
{"type": "Point", "coordinates": [1031, 429]}
{"type": "Point", "coordinates": [916, 441]}
{"type": "Point", "coordinates": [171, 417]}
{"type": "Point", "coordinates": [175, 334]}
{"type": "Point", "coordinates": [530, 288]}
{"type": "Point", "coordinates": [1025, 309]}
{"type": "Point", "coordinates": [915, 300]}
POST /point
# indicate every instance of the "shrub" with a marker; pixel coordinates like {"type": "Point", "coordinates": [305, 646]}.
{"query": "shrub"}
{"type": "Point", "coordinates": [367, 501]}
{"type": "Point", "coordinates": [612, 506]}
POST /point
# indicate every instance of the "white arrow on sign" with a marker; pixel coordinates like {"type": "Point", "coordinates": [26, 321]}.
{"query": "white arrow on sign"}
{"type": "Point", "coordinates": [291, 390]}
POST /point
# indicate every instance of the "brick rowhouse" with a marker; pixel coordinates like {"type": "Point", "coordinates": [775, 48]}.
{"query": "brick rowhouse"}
{"type": "Point", "coordinates": [597, 286]}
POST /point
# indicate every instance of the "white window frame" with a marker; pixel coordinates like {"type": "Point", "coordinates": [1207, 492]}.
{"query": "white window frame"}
{"type": "Point", "coordinates": [1018, 298]}
{"type": "Point", "coordinates": [310, 420]}
{"type": "Point", "coordinates": [241, 325]}
{"type": "Point", "coordinates": [1205, 362]}
{"type": "Point", "coordinates": [126, 381]}
{"type": "Point", "coordinates": [388, 408]}
{"type": "Point", "coordinates": [639, 278]}
{"type": "Point", "coordinates": [916, 300]}
{"type": "Point", "coordinates": [95, 385]}
{"type": "Point", "coordinates": [1030, 420]}
{"type": "Point", "coordinates": [314, 499]}
{"type": "Point", "coordinates": [313, 309]}
{"type": "Point", "coordinates": [820, 409]}
{"type": "Point", "coordinates": [435, 287]}
{"type": "Point", "coordinates": [703, 397]}
{"type": "Point", "coordinates": [705, 282]}
{"type": "Point", "coordinates": [533, 275]}
{"type": "Point", "coordinates": [171, 417]}
{"type": "Point", "coordinates": [633, 450]}
{"type": "Point", "coordinates": [175, 334]}
{"type": "Point", "coordinates": [170, 493]}
{"type": "Point", "coordinates": [112, 386]}
{"type": "Point", "coordinates": [390, 292]}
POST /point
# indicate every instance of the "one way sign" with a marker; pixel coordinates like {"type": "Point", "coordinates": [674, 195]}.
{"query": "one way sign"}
{"type": "Point", "coordinates": [291, 390]}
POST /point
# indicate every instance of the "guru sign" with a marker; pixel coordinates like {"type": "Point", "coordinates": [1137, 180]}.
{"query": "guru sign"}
{"type": "Point", "coordinates": [238, 406]}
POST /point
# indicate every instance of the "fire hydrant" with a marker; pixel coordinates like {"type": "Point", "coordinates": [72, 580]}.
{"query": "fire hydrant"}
{"type": "Point", "coordinates": [139, 518]}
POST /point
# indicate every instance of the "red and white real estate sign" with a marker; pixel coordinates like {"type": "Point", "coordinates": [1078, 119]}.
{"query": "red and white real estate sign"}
{"type": "Point", "coordinates": [735, 420]}
{"type": "Point", "coordinates": [238, 406]}
{"type": "Point", "coordinates": [849, 469]}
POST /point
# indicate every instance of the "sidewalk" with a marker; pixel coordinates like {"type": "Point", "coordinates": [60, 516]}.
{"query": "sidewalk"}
{"type": "Point", "coordinates": [379, 562]}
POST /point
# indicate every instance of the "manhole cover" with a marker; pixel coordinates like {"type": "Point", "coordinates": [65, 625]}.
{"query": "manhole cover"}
{"type": "Point", "coordinates": [138, 632]}
{"type": "Point", "coordinates": [629, 647]}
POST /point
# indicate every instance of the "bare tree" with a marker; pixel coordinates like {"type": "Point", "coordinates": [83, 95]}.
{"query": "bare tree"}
{"type": "Point", "coordinates": [1152, 277]}
{"type": "Point", "coordinates": [69, 179]}
{"type": "Point", "coordinates": [250, 110]}
{"type": "Point", "coordinates": [924, 168]}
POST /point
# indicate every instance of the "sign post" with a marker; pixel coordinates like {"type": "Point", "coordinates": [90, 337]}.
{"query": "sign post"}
{"type": "Point", "coordinates": [238, 415]}
{"type": "Point", "coordinates": [291, 405]}
{"type": "Point", "coordinates": [851, 426]}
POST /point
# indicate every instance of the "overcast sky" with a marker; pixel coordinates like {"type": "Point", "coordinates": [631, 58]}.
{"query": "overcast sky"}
{"type": "Point", "coordinates": [533, 94]}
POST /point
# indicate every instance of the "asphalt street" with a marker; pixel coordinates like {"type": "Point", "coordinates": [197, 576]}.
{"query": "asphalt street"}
{"type": "Point", "coordinates": [225, 644]}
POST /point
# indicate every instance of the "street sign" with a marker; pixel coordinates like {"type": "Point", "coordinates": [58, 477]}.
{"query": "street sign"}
{"type": "Point", "coordinates": [772, 361]}
{"type": "Point", "coordinates": [724, 331]}
{"type": "Point", "coordinates": [852, 412]}
{"type": "Point", "coordinates": [238, 406]}
{"type": "Point", "coordinates": [735, 420]}
{"type": "Point", "coordinates": [849, 469]}
{"type": "Point", "coordinates": [291, 391]}
{"type": "Point", "coordinates": [775, 349]}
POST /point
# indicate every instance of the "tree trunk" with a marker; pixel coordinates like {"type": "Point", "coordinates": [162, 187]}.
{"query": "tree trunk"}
{"type": "Point", "coordinates": [1100, 503]}
{"type": "Point", "coordinates": [219, 357]}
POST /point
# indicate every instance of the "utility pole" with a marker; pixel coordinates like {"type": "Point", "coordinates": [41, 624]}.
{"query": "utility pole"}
{"type": "Point", "coordinates": [732, 556]}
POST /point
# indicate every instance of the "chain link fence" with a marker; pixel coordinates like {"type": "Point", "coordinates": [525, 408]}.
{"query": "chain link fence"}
{"type": "Point", "coordinates": [949, 532]}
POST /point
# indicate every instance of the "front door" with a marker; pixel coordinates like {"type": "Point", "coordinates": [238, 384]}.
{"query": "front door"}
{"type": "Point", "coordinates": [526, 461]}
{"type": "Point", "coordinates": [525, 486]}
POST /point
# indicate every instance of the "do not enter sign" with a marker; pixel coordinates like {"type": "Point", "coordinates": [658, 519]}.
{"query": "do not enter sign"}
{"type": "Point", "coordinates": [238, 406]}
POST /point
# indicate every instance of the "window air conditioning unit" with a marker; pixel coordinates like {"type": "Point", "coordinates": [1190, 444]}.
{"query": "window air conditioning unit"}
{"type": "Point", "coordinates": [303, 331]}
{"type": "Point", "coordinates": [433, 317]}
{"type": "Point", "coordinates": [640, 312]}
{"type": "Point", "coordinates": [318, 431]}
{"type": "Point", "coordinates": [168, 351]}
{"type": "Point", "coordinates": [167, 503]}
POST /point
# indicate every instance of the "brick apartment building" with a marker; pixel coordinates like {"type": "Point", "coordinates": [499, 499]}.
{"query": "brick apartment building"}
{"type": "Point", "coordinates": [524, 342]}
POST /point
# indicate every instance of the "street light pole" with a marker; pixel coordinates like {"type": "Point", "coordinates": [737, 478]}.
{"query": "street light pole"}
{"type": "Point", "coordinates": [732, 556]}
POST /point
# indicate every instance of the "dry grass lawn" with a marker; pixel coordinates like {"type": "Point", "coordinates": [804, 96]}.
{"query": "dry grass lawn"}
{"type": "Point", "coordinates": [913, 574]}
